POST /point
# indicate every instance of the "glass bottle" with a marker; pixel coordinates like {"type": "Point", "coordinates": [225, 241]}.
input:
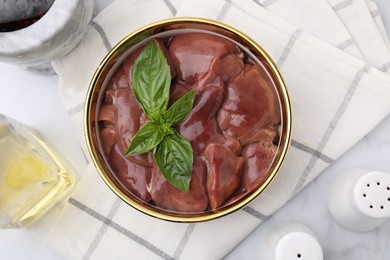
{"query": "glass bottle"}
{"type": "Point", "coordinates": [32, 177]}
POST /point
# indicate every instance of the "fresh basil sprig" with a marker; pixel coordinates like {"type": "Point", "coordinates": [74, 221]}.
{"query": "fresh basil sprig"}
{"type": "Point", "coordinates": [151, 75]}
{"type": "Point", "coordinates": [174, 159]}
{"type": "Point", "coordinates": [173, 153]}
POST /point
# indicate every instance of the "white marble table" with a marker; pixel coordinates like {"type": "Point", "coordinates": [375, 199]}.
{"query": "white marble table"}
{"type": "Point", "coordinates": [35, 100]}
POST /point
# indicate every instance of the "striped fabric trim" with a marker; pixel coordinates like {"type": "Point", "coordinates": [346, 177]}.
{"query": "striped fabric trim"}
{"type": "Point", "coordinates": [102, 231]}
{"type": "Point", "coordinates": [171, 7]}
{"type": "Point", "coordinates": [80, 107]}
{"type": "Point", "coordinates": [225, 9]}
{"type": "Point", "coordinates": [342, 5]}
{"type": "Point", "coordinates": [268, 3]}
{"type": "Point", "coordinates": [255, 213]}
{"type": "Point", "coordinates": [286, 51]}
{"type": "Point", "coordinates": [102, 34]}
{"type": "Point", "coordinates": [345, 44]}
{"type": "Point", "coordinates": [77, 108]}
{"type": "Point", "coordinates": [311, 151]}
{"type": "Point", "coordinates": [183, 241]}
{"type": "Point", "coordinates": [120, 229]}
{"type": "Point", "coordinates": [332, 125]}
{"type": "Point", "coordinates": [374, 13]}
{"type": "Point", "coordinates": [385, 67]}
{"type": "Point", "coordinates": [108, 223]}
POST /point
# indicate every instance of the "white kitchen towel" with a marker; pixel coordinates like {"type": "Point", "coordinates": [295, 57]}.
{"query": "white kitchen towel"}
{"type": "Point", "coordinates": [337, 98]}
{"type": "Point", "coordinates": [374, 12]}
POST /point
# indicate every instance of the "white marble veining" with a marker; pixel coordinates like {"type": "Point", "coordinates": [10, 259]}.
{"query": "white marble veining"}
{"type": "Point", "coordinates": [308, 207]}
{"type": "Point", "coordinates": [52, 36]}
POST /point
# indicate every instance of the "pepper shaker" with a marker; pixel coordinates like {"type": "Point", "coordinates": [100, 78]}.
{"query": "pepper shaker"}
{"type": "Point", "coordinates": [359, 199]}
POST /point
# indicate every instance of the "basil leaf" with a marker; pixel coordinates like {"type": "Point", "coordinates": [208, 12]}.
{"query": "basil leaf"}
{"type": "Point", "coordinates": [174, 158]}
{"type": "Point", "coordinates": [151, 78]}
{"type": "Point", "coordinates": [180, 109]}
{"type": "Point", "coordinates": [146, 139]}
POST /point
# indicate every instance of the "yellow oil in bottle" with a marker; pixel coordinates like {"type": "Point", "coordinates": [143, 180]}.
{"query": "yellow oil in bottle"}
{"type": "Point", "coordinates": [32, 178]}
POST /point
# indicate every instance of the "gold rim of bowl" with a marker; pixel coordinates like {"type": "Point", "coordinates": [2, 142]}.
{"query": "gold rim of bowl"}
{"type": "Point", "coordinates": [137, 36]}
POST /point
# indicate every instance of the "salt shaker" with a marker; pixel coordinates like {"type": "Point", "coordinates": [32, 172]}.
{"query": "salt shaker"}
{"type": "Point", "coordinates": [288, 241]}
{"type": "Point", "coordinates": [359, 199]}
{"type": "Point", "coordinates": [32, 175]}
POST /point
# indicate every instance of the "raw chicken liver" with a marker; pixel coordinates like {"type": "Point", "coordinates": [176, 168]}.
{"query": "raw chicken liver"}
{"type": "Point", "coordinates": [168, 197]}
{"type": "Point", "coordinates": [258, 159]}
{"type": "Point", "coordinates": [192, 54]}
{"type": "Point", "coordinates": [224, 171]}
{"type": "Point", "coordinates": [250, 105]}
{"type": "Point", "coordinates": [231, 128]}
{"type": "Point", "coordinates": [134, 177]}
